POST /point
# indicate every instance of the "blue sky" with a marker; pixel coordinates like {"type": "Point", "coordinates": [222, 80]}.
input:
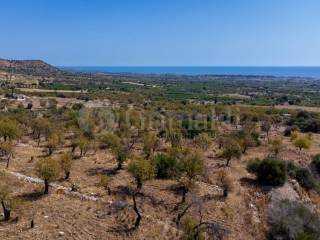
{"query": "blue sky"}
{"type": "Point", "coordinates": [162, 32]}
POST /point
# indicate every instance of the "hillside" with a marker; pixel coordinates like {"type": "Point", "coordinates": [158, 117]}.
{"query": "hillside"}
{"type": "Point", "coordinates": [29, 67]}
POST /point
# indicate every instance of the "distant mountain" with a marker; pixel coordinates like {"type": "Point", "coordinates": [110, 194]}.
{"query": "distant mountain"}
{"type": "Point", "coordinates": [29, 67]}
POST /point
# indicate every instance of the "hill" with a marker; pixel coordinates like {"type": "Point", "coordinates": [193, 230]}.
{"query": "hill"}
{"type": "Point", "coordinates": [29, 67]}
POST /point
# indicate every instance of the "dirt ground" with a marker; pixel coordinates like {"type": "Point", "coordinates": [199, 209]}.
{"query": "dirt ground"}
{"type": "Point", "coordinates": [61, 216]}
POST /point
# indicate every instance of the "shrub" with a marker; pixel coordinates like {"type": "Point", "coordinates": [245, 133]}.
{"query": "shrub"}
{"type": "Point", "coordinates": [253, 165]}
{"type": "Point", "coordinates": [306, 121]}
{"type": "Point", "coordinates": [269, 171]}
{"type": "Point", "coordinates": [305, 178]}
{"type": "Point", "coordinates": [302, 142]}
{"type": "Point", "coordinates": [302, 175]}
{"type": "Point", "coordinates": [276, 145]}
{"type": "Point", "coordinates": [165, 165]}
{"type": "Point", "coordinates": [289, 130]}
{"type": "Point", "coordinates": [292, 220]}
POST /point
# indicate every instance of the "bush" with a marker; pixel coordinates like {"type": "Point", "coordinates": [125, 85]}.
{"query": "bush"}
{"type": "Point", "coordinates": [269, 171]}
{"type": "Point", "coordinates": [305, 178]}
{"type": "Point", "coordinates": [292, 220]}
{"type": "Point", "coordinates": [253, 165]}
{"type": "Point", "coordinates": [302, 175]}
{"type": "Point", "coordinates": [289, 130]}
{"type": "Point", "coordinates": [165, 165]}
{"type": "Point", "coordinates": [307, 122]}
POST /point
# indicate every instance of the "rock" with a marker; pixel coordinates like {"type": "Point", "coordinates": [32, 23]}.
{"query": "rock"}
{"type": "Point", "coordinates": [287, 191]}
{"type": "Point", "coordinates": [61, 234]}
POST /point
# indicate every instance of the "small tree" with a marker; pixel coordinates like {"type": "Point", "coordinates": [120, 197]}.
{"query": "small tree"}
{"type": "Point", "coordinates": [225, 182]}
{"type": "Point", "coordinates": [302, 142]}
{"type": "Point", "coordinates": [203, 141]}
{"type": "Point", "coordinates": [6, 197]}
{"type": "Point", "coordinates": [231, 150]}
{"type": "Point", "coordinates": [48, 170]}
{"type": "Point", "coordinates": [276, 145]}
{"type": "Point", "coordinates": [150, 143]}
{"type": "Point", "coordinates": [121, 147]}
{"type": "Point", "coordinates": [141, 169]}
{"type": "Point", "coordinates": [265, 127]}
{"type": "Point", "coordinates": [66, 164]}
{"type": "Point", "coordinates": [191, 164]}
{"type": "Point", "coordinates": [9, 129]}
{"type": "Point", "coordinates": [53, 142]}
{"type": "Point", "coordinates": [294, 134]}
{"type": "Point", "coordinates": [6, 150]}
{"type": "Point", "coordinates": [84, 145]}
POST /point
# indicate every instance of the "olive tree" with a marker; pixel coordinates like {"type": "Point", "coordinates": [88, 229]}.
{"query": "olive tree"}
{"type": "Point", "coordinates": [276, 145]}
{"type": "Point", "coordinates": [48, 170]}
{"type": "Point", "coordinates": [9, 130]}
{"type": "Point", "coordinates": [231, 150]}
{"type": "Point", "coordinates": [121, 145]}
{"type": "Point", "coordinates": [66, 164]}
{"type": "Point", "coordinates": [150, 143]}
{"type": "Point", "coordinates": [141, 169]}
{"type": "Point", "coordinates": [302, 142]}
{"type": "Point", "coordinates": [6, 150]}
{"type": "Point", "coordinates": [190, 165]}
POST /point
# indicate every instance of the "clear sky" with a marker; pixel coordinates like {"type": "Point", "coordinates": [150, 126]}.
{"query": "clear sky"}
{"type": "Point", "coordinates": [162, 32]}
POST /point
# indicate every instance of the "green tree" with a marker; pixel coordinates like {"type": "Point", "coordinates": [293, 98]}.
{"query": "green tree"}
{"type": "Point", "coordinates": [302, 142]}
{"type": "Point", "coordinates": [150, 143]}
{"type": "Point", "coordinates": [10, 130]}
{"type": "Point", "coordinates": [276, 145]}
{"type": "Point", "coordinates": [6, 150]}
{"type": "Point", "coordinates": [191, 164]}
{"type": "Point", "coordinates": [54, 140]}
{"type": "Point", "coordinates": [265, 127]}
{"type": "Point", "coordinates": [66, 164]}
{"type": "Point", "coordinates": [48, 170]}
{"type": "Point", "coordinates": [231, 150]}
{"type": "Point", "coordinates": [141, 169]}
{"type": "Point", "coordinates": [121, 145]}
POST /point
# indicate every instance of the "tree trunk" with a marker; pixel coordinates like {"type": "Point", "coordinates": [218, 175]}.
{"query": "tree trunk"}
{"type": "Point", "coordinates": [6, 212]}
{"type": "Point", "coordinates": [136, 210]}
{"type": "Point", "coordinates": [181, 214]}
{"type": "Point", "coordinates": [184, 194]}
{"type": "Point", "coordinates": [8, 161]}
{"type": "Point", "coordinates": [119, 167]}
{"type": "Point", "coordinates": [46, 186]}
{"type": "Point", "coordinates": [225, 192]}
{"type": "Point", "coordinates": [228, 162]}
{"type": "Point", "coordinates": [139, 183]}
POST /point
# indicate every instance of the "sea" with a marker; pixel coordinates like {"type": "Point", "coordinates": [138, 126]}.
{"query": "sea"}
{"type": "Point", "coordinates": [304, 72]}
